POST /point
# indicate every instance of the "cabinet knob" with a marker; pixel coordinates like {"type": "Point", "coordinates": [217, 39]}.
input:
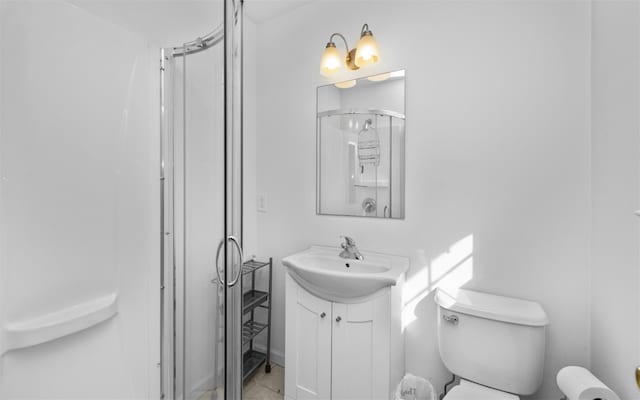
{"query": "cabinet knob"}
{"type": "Point", "coordinates": [338, 318]}
{"type": "Point", "coordinates": [323, 315]}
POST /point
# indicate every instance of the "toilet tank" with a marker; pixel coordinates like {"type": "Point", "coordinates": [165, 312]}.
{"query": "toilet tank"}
{"type": "Point", "coordinates": [492, 340]}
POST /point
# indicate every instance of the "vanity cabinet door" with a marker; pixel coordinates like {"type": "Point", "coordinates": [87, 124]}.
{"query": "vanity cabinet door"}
{"type": "Point", "coordinates": [308, 344]}
{"type": "Point", "coordinates": [360, 351]}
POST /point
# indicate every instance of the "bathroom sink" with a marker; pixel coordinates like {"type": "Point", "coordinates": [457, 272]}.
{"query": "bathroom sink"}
{"type": "Point", "coordinates": [323, 272]}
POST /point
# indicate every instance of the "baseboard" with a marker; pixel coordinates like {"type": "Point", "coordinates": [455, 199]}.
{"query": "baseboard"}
{"type": "Point", "coordinates": [277, 357]}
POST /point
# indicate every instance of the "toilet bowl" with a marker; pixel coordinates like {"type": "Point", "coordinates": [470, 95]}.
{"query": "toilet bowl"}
{"type": "Point", "coordinates": [495, 344]}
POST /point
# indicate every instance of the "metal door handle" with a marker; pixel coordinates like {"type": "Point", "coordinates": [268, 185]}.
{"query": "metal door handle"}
{"type": "Point", "coordinates": [237, 245]}
{"type": "Point", "coordinates": [323, 315]}
{"type": "Point", "coordinates": [338, 318]}
{"type": "Point", "coordinates": [239, 248]}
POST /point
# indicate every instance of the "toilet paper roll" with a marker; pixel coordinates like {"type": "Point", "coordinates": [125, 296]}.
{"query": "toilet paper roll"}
{"type": "Point", "coordinates": [578, 383]}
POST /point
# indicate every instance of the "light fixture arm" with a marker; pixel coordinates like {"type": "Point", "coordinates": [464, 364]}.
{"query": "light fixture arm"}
{"type": "Point", "coordinates": [343, 39]}
{"type": "Point", "coordinates": [365, 29]}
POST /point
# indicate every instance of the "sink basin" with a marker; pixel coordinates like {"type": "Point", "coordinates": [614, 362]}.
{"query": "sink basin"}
{"type": "Point", "coordinates": [323, 272]}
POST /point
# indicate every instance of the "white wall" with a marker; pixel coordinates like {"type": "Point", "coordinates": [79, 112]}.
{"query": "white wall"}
{"type": "Point", "coordinates": [250, 214]}
{"type": "Point", "coordinates": [3, 6]}
{"type": "Point", "coordinates": [615, 334]}
{"type": "Point", "coordinates": [497, 152]}
{"type": "Point", "coordinates": [79, 216]}
{"type": "Point", "coordinates": [250, 64]}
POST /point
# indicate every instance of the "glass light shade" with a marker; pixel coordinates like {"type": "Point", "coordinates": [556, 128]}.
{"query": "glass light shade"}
{"type": "Point", "coordinates": [367, 51]}
{"type": "Point", "coordinates": [379, 77]}
{"type": "Point", "coordinates": [331, 60]}
{"type": "Point", "coordinates": [345, 84]}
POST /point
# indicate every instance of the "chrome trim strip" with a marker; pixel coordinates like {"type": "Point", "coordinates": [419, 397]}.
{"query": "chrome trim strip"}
{"type": "Point", "coordinates": [347, 111]}
{"type": "Point", "coordinates": [200, 44]}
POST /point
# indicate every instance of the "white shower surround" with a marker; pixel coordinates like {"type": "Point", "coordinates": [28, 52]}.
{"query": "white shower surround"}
{"type": "Point", "coordinates": [78, 206]}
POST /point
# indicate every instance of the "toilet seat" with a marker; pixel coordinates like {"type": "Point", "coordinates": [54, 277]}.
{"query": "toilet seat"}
{"type": "Point", "coordinates": [472, 391]}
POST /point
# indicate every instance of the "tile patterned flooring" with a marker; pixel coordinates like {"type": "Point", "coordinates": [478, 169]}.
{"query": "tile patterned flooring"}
{"type": "Point", "coordinates": [261, 386]}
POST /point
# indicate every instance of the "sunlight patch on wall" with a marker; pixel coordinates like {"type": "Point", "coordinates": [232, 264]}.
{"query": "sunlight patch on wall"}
{"type": "Point", "coordinates": [448, 271]}
{"type": "Point", "coordinates": [445, 262]}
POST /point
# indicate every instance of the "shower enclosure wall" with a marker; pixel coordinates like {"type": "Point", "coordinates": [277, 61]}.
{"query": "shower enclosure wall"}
{"type": "Point", "coordinates": [106, 287]}
{"type": "Point", "coordinates": [79, 254]}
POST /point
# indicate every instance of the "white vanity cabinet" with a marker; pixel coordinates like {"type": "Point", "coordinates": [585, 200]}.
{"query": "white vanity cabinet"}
{"type": "Point", "coordinates": [338, 350]}
{"type": "Point", "coordinates": [307, 344]}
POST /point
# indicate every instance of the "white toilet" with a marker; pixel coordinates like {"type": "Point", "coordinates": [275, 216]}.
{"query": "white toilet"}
{"type": "Point", "coordinates": [495, 344]}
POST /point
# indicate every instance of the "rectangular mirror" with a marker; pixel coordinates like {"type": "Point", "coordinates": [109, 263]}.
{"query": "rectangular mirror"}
{"type": "Point", "coordinates": [360, 134]}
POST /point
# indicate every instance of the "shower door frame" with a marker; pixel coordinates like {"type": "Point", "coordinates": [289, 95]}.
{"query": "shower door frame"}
{"type": "Point", "coordinates": [230, 33]}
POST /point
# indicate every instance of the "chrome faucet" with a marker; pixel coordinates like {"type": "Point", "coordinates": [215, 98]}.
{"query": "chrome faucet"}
{"type": "Point", "coordinates": [349, 249]}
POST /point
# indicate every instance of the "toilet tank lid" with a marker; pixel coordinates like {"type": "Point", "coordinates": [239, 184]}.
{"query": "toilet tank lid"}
{"type": "Point", "coordinates": [491, 306]}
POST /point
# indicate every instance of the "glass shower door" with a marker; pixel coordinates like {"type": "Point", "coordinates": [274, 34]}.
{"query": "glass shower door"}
{"type": "Point", "coordinates": [202, 223]}
{"type": "Point", "coordinates": [233, 15]}
{"type": "Point", "coordinates": [195, 177]}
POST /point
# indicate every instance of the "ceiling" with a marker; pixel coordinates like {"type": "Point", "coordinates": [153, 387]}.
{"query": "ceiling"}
{"type": "Point", "coordinates": [261, 10]}
{"type": "Point", "coordinates": [163, 22]}
{"type": "Point", "coordinates": [173, 22]}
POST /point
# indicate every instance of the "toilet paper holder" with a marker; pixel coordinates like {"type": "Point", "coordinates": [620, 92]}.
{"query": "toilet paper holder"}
{"type": "Point", "coordinates": [577, 382]}
{"type": "Point", "coordinates": [566, 398]}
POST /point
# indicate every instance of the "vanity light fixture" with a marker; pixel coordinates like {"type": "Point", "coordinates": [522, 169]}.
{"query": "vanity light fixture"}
{"type": "Point", "coordinates": [364, 54]}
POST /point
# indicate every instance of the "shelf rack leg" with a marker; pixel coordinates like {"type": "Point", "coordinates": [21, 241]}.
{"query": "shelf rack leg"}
{"type": "Point", "coordinates": [267, 367]}
{"type": "Point", "coordinates": [253, 287]}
